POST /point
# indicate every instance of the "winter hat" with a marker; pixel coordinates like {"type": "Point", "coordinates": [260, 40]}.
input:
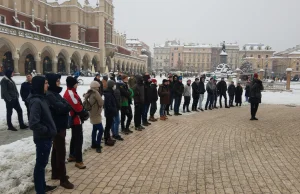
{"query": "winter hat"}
{"type": "Point", "coordinates": [124, 76]}
{"type": "Point", "coordinates": [97, 74]}
{"type": "Point", "coordinates": [105, 77]}
{"type": "Point", "coordinates": [110, 83]}
{"type": "Point", "coordinates": [95, 84]}
{"type": "Point", "coordinates": [38, 83]}
{"type": "Point", "coordinates": [71, 81]}
{"type": "Point", "coordinates": [164, 81]}
{"type": "Point", "coordinates": [52, 79]}
{"type": "Point", "coordinates": [154, 81]}
{"type": "Point", "coordinates": [197, 79]}
{"type": "Point", "coordinates": [8, 73]}
{"type": "Point", "coordinates": [180, 78]}
{"type": "Point", "coordinates": [255, 75]}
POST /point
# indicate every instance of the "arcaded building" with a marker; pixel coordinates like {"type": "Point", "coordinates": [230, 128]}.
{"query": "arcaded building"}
{"type": "Point", "coordinates": [52, 37]}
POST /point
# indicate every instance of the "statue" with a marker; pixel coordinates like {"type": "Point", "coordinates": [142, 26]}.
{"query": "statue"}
{"type": "Point", "coordinates": [87, 2]}
{"type": "Point", "coordinates": [223, 47]}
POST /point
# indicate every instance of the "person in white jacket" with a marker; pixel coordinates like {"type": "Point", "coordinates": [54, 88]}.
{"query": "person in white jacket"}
{"type": "Point", "coordinates": [187, 96]}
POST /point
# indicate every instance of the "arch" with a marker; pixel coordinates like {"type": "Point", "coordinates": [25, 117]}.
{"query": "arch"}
{"type": "Point", "coordinates": [47, 56]}
{"type": "Point", "coordinates": [86, 61]}
{"type": "Point", "coordinates": [7, 61]}
{"type": "Point", "coordinates": [75, 62]}
{"type": "Point", "coordinates": [28, 56]}
{"type": "Point", "coordinates": [28, 47]}
{"type": "Point", "coordinates": [30, 64]}
{"type": "Point", "coordinates": [5, 43]}
{"type": "Point", "coordinates": [108, 64]}
{"type": "Point", "coordinates": [62, 59]}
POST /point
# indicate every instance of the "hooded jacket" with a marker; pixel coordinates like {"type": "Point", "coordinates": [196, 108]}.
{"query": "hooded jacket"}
{"type": "Point", "coordinates": [59, 107]}
{"type": "Point", "coordinates": [178, 88]}
{"type": "Point", "coordinates": [131, 82]}
{"type": "Point", "coordinates": [110, 103]}
{"type": "Point", "coordinates": [231, 90]}
{"type": "Point", "coordinates": [97, 104]}
{"type": "Point", "coordinates": [138, 90]}
{"type": "Point", "coordinates": [153, 96]}
{"type": "Point", "coordinates": [164, 94]}
{"type": "Point", "coordinates": [126, 95]}
{"type": "Point", "coordinates": [8, 87]}
{"type": "Point", "coordinates": [25, 90]}
{"type": "Point", "coordinates": [201, 87]}
{"type": "Point", "coordinates": [147, 91]}
{"type": "Point", "coordinates": [255, 91]}
{"type": "Point", "coordinates": [222, 87]}
{"type": "Point", "coordinates": [40, 120]}
{"type": "Point", "coordinates": [117, 93]}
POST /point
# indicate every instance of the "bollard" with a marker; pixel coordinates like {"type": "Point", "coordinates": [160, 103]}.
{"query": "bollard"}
{"type": "Point", "coordinates": [288, 78]}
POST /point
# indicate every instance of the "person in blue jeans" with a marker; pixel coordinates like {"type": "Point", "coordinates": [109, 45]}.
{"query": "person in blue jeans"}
{"type": "Point", "coordinates": [95, 100]}
{"type": "Point", "coordinates": [147, 92]}
{"type": "Point", "coordinates": [178, 91]}
{"type": "Point", "coordinates": [116, 119]}
{"type": "Point", "coordinates": [210, 87]}
{"type": "Point", "coordinates": [44, 130]}
{"type": "Point", "coordinates": [164, 94]}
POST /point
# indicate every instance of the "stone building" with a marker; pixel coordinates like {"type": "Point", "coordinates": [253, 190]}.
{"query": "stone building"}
{"type": "Point", "coordinates": [233, 58]}
{"type": "Point", "coordinates": [142, 49]}
{"type": "Point", "coordinates": [53, 37]}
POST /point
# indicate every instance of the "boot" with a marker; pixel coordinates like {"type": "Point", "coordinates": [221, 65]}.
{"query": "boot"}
{"type": "Point", "coordinates": [23, 126]}
{"type": "Point", "coordinates": [71, 159]}
{"type": "Point", "coordinates": [152, 119]}
{"type": "Point", "coordinates": [183, 109]}
{"type": "Point", "coordinates": [125, 131]}
{"type": "Point", "coordinates": [138, 128]}
{"type": "Point", "coordinates": [168, 113]}
{"type": "Point", "coordinates": [109, 142]}
{"type": "Point", "coordinates": [80, 165]}
{"type": "Point", "coordinates": [12, 129]}
{"type": "Point", "coordinates": [67, 185]}
{"type": "Point", "coordinates": [49, 188]}
{"type": "Point", "coordinates": [188, 110]}
{"type": "Point", "coordinates": [162, 118]}
{"type": "Point", "coordinates": [128, 131]}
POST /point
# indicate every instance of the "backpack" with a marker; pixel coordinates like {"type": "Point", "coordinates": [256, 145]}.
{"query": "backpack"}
{"type": "Point", "coordinates": [86, 104]}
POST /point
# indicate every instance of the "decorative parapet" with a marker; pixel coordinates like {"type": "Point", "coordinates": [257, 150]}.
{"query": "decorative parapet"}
{"type": "Point", "coordinates": [20, 32]}
{"type": "Point", "coordinates": [122, 56]}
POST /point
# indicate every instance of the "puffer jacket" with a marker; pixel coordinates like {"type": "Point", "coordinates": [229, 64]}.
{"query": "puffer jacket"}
{"type": "Point", "coordinates": [8, 89]}
{"type": "Point", "coordinates": [164, 94]}
{"type": "Point", "coordinates": [97, 104]}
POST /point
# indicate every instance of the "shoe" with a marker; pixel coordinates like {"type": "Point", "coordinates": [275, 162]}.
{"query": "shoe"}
{"type": "Point", "coordinates": [227, 107]}
{"type": "Point", "coordinates": [138, 128]}
{"type": "Point", "coordinates": [57, 178]}
{"type": "Point", "coordinates": [210, 108]}
{"type": "Point", "coordinates": [124, 131]}
{"type": "Point", "coordinates": [128, 130]}
{"type": "Point", "coordinates": [146, 124]}
{"type": "Point", "coordinates": [93, 146]}
{"type": "Point", "coordinates": [176, 114]}
{"type": "Point", "coordinates": [201, 109]}
{"type": "Point", "coordinates": [183, 111]}
{"type": "Point", "coordinates": [98, 150]}
{"type": "Point", "coordinates": [67, 185]}
{"type": "Point", "coordinates": [71, 159]}
{"type": "Point", "coordinates": [142, 127]}
{"type": "Point", "coordinates": [169, 114]}
{"type": "Point", "coordinates": [49, 188]}
{"type": "Point", "coordinates": [23, 127]}
{"type": "Point", "coordinates": [162, 118]}
{"type": "Point", "coordinates": [179, 114]}
{"type": "Point", "coordinates": [152, 119]}
{"type": "Point", "coordinates": [80, 165]}
{"type": "Point", "coordinates": [110, 142]}
{"type": "Point", "coordinates": [12, 129]}
{"type": "Point", "coordinates": [255, 118]}
{"type": "Point", "coordinates": [118, 137]}
{"type": "Point", "coordinates": [205, 108]}
{"type": "Point", "coordinates": [188, 110]}
{"type": "Point", "coordinates": [216, 107]}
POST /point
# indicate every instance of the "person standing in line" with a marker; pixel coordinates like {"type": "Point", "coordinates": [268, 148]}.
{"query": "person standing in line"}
{"type": "Point", "coordinates": [210, 94]}
{"type": "Point", "coordinates": [222, 89]}
{"type": "Point", "coordinates": [116, 122]}
{"type": "Point", "coordinates": [178, 91]}
{"type": "Point", "coordinates": [94, 98]}
{"type": "Point", "coordinates": [44, 130]}
{"type": "Point", "coordinates": [79, 115]}
{"type": "Point", "coordinates": [201, 91]}
{"type": "Point", "coordinates": [97, 79]}
{"type": "Point", "coordinates": [10, 95]}
{"type": "Point", "coordinates": [195, 94]}
{"type": "Point", "coordinates": [138, 91]}
{"type": "Point", "coordinates": [238, 94]}
{"type": "Point", "coordinates": [104, 82]}
{"type": "Point", "coordinates": [126, 101]}
{"type": "Point", "coordinates": [25, 91]}
{"type": "Point", "coordinates": [60, 109]}
{"type": "Point", "coordinates": [110, 110]}
{"type": "Point", "coordinates": [187, 96]}
{"type": "Point", "coordinates": [170, 86]}
{"type": "Point", "coordinates": [147, 82]}
{"type": "Point", "coordinates": [172, 80]}
{"type": "Point", "coordinates": [131, 81]}
{"type": "Point", "coordinates": [153, 99]}
{"type": "Point", "coordinates": [215, 93]}
{"type": "Point", "coordinates": [231, 93]}
{"type": "Point", "coordinates": [164, 95]}
{"type": "Point", "coordinates": [255, 95]}
{"type": "Point", "coordinates": [247, 91]}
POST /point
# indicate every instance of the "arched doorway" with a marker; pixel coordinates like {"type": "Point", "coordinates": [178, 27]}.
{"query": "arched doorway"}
{"type": "Point", "coordinates": [75, 62]}
{"type": "Point", "coordinates": [73, 67]}
{"type": "Point", "coordinates": [94, 62]}
{"type": "Point", "coordinates": [47, 65]}
{"type": "Point", "coordinates": [108, 64]}
{"type": "Point", "coordinates": [7, 61]}
{"type": "Point", "coordinates": [61, 66]}
{"type": "Point", "coordinates": [29, 64]}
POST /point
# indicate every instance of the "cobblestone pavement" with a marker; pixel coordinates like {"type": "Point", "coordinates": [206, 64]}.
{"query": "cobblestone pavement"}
{"type": "Point", "coordinates": [219, 151]}
{"type": "Point", "coordinates": [7, 137]}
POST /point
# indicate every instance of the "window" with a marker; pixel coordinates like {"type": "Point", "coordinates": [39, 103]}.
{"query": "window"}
{"type": "Point", "coordinates": [297, 69]}
{"type": "Point", "coordinates": [38, 29]}
{"type": "Point", "coordinates": [251, 55]}
{"type": "Point", "coordinates": [2, 19]}
{"type": "Point", "coordinates": [22, 24]}
{"type": "Point", "coordinates": [172, 54]}
{"type": "Point", "coordinates": [267, 56]}
{"type": "Point", "coordinates": [297, 63]}
{"type": "Point", "coordinates": [179, 54]}
{"type": "Point", "coordinates": [259, 56]}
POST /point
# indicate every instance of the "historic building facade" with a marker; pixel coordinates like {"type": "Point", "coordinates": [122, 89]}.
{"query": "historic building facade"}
{"type": "Point", "coordinates": [52, 37]}
{"type": "Point", "coordinates": [233, 58]}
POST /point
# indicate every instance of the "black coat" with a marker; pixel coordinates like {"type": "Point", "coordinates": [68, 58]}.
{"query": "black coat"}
{"type": "Point", "coordinates": [25, 90]}
{"type": "Point", "coordinates": [110, 103]}
{"type": "Point", "coordinates": [222, 87]}
{"type": "Point", "coordinates": [147, 93]}
{"type": "Point", "coordinates": [164, 94]}
{"type": "Point", "coordinates": [101, 85]}
{"type": "Point", "coordinates": [8, 89]}
{"type": "Point", "coordinates": [178, 88]}
{"type": "Point", "coordinates": [238, 94]}
{"type": "Point", "coordinates": [195, 90]}
{"type": "Point", "coordinates": [139, 91]}
{"type": "Point", "coordinates": [231, 90]}
{"type": "Point", "coordinates": [255, 91]}
{"type": "Point", "coordinates": [201, 87]}
{"type": "Point", "coordinates": [153, 96]}
{"type": "Point", "coordinates": [247, 90]}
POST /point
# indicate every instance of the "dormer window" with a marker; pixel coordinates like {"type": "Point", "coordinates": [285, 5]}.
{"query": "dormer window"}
{"type": "Point", "coordinates": [251, 47]}
{"type": "Point", "coordinates": [38, 29]}
{"type": "Point", "coordinates": [2, 19]}
{"type": "Point", "coordinates": [22, 25]}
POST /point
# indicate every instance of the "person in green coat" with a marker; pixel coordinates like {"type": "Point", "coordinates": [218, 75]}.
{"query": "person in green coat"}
{"type": "Point", "coordinates": [126, 101]}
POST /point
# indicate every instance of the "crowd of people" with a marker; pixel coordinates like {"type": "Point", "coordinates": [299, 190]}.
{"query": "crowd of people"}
{"type": "Point", "coordinates": [50, 114]}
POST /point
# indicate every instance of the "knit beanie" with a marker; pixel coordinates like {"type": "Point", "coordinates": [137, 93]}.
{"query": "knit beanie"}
{"type": "Point", "coordinates": [95, 84]}
{"type": "Point", "coordinates": [197, 79]}
{"type": "Point", "coordinates": [38, 83]}
{"type": "Point", "coordinates": [8, 73]}
{"type": "Point", "coordinates": [154, 81]}
{"type": "Point", "coordinates": [71, 81]}
{"type": "Point", "coordinates": [164, 81]}
{"type": "Point", "coordinates": [110, 84]}
{"type": "Point", "coordinates": [180, 78]}
{"type": "Point", "coordinates": [255, 75]}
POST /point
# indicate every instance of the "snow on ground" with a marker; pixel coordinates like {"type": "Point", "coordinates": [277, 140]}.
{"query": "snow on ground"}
{"type": "Point", "coordinates": [18, 158]}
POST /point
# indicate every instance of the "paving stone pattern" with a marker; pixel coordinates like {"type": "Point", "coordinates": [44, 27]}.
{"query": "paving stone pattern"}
{"type": "Point", "coordinates": [219, 151]}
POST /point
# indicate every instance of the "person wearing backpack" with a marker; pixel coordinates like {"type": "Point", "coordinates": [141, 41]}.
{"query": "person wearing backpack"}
{"type": "Point", "coordinates": [116, 123]}
{"type": "Point", "coordinates": [60, 109]}
{"type": "Point", "coordinates": [79, 115]}
{"type": "Point", "coordinates": [126, 101]}
{"type": "Point", "coordinates": [95, 104]}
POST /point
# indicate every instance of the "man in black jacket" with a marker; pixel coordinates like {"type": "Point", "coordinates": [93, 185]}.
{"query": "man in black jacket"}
{"type": "Point", "coordinates": [25, 91]}
{"type": "Point", "coordinates": [222, 89]}
{"type": "Point", "coordinates": [147, 82]}
{"type": "Point", "coordinates": [139, 94]}
{"type": "Point", "coordinates": [60, 109]}
{"type": "Point", "coordinates": [116, 122]}
{"type": "Point", "coordinates": [10, 95]}
{"type": "Point", "coordinates": [44, 129]}
{"type": "Point", "coordinates": [97, 79]}
{"type": "Point", "coordinates": [153, 99]}
{"type": "Point", "coordinates": [255, 95]}
{"type": "Point", "coordinates": [231, 93]}
{"type": "Point", "coordinates": [126, 101]}
{"type": "Point", "coordinates": [178, 91]}
{"type": "Point", "coordinates": [195, 94]}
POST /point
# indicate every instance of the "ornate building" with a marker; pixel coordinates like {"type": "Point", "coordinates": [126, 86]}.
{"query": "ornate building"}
{"type": "Point", "coordinates": [53, 37]}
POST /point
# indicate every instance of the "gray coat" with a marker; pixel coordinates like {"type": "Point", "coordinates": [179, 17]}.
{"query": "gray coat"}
{"type": "Point", "coordinates": [40, 120]}
{"type": "Point", "coordinates": [187, 90]}
{"type": "Point", "coordinates": [8, 89]}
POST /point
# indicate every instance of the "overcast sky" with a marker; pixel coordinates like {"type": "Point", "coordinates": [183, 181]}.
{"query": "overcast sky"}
{"type": "Point", "coordinates": [272, 22]}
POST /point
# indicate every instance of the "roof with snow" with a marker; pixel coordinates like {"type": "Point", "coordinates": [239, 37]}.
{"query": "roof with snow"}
{"type": "Point", "coordinates": [256, 47]}
{"type": "Point", "coordinates": [223, 53]}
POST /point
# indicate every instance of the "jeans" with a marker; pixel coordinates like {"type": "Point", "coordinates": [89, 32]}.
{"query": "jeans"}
{"type": "Point", "coordinates": [187, 100]}
{"type": "Point", "coordinates": [76, 143]}
{"type": "Point", "coordinates": [177, 103]}
{"type": "Point", "coordinates": [153, 108]}
{"type": "Point", "coordinates": [145, 112]}
{"type": "Point", "coordinates": [96, 138]}
{"type": "Point", "coordinates": [43, 147]}
{"type": "Point", "coordinates": [115, 126]}
{"type": "Point", "coordinates": [162, 110]}
{"type": "Point", "coordinates": [13, 104]}
{"type": "Point", "coordinates": [58, 156]}
{"type": "Point", "coordinates": [210, 99]}
{"type": "Point", "coordinates": [220, 100]}
{"type": "Point", "coordinates": [201, 98]}
{"type": "Point", "coordinates": [195, 101]}
{"type": "Point", "coordinates": [126, 112]}
{"type": "Point", "coordinates": [172, 98]}
{"type": "Point", "coordinates": [138, 110]}
{"type": "Point", "coordinates": [254, 107]}
{"type": "Point", "coordinates": [108, 126]}
{"type": "Point", "coordinates": [215, 100]}
{"type": "Point", "coordinates": [231, 98]}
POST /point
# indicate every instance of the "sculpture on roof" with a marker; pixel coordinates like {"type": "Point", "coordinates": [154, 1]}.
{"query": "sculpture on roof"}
{"type": "Point", "coordinates": [87, 2]}
{"type": "Point", "coordinates": [224, 47]}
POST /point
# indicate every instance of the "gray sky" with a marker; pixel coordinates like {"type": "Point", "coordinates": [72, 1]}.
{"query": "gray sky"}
{"type": "Point", "coordinates": [272, 22]}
